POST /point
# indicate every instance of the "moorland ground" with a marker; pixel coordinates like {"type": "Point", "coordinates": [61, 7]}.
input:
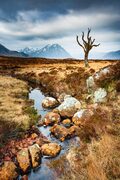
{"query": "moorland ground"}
{"type": "Point", "coordinates": [98, 157]}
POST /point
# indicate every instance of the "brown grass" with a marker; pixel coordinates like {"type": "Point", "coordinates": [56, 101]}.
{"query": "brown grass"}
{"type": "Point", "coordinates": [53, 76]}
{"type": "Point", "coordinates": [98, 157]}
{"type": "Point", "coordinates": [14, 113]}
{"type": "Point", "coordinates": [104, 158]}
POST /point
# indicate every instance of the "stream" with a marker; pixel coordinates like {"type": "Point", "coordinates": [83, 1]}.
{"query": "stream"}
{"type": "Point", "coordinates": [44, 172]}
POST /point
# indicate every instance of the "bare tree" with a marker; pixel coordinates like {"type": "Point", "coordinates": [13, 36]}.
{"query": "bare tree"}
{"type": "Point", "coordinates": [87, 45]}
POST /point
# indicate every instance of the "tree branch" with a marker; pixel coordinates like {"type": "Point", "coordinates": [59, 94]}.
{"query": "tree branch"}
{"type": "Point", "coordinates": [83, 38]}
{"type": "Point", "coordinates": [88, 33]}
{"type": "Point", "coordinates": [89, 40]}
{"type": "Point", "coordinates": [92, 41]}
{"type": "Point", "coordinates": [95, 45]}
{"type": "Point", "coordinates": [79, 43]}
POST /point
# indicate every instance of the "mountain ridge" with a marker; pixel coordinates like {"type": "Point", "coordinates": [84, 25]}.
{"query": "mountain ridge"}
{"type": "Point", "coordinates": [112, 55]}
{"type": "Point", "coordinates": [6, 52]}
{"type": "Point", "coordinates": [48, 51]}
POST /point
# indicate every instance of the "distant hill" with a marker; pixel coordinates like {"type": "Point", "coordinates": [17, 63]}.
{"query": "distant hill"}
{"type": "Point", "coordinates": [6, 52]}
{"type": "Point", "coordinates": [112, 55]}
{"type": "Point", "coordinates": [49, 51]}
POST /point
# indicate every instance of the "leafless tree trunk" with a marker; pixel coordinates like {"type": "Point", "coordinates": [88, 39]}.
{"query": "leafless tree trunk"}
{"type": "Point", "coordinates": [87, 45]}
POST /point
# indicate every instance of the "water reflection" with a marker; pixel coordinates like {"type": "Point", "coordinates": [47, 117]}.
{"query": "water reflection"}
{"type": "Point", "coordinates": [37, 96]}
{"type": "Point", "coordinates": [45, 172]}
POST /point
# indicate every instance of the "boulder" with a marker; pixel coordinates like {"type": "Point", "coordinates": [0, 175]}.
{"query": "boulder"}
{"type": "Point", "coordinates": [42, 140]}
{"type": "Point", "coordinates": [74, 131]}
{"type": "Point", "coordinates": [69, 107]}
{"type": "Point", "coordinates": [51, 149]}
{"type": "Point", "coordinates": [8, 171]}
{"type": "Point", "coordinates": [66, 123]}
{"type": "Point", "coordinates": [90, 84]}
{"type": "Point", "coordinates": [51, 118]}
{"type": "Point", "coordinates": [59, 132]}
{"type": "Point", "coordinates": [63, 133]}
{"type": "Point", "coordinates": [23, 160]}
{"type": "Point", "coordinates": [92, 81]}
{"type": "Point", "coordinates": [100, 95]}
{"type": "Point", "coordinates": [103, 72]}
{"type": "Point", "coordinates": [82, 116]}
{"type": "Point", "coordinates": [61, 97]}
{"type": "Point", "coordinates": [35, 154]}
{"type": "Point", "coordinates": [49, 102]}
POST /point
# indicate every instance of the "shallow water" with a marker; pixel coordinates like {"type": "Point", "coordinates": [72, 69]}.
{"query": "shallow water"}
{"type": "Point", "coordinates": [44, 172]}
{"type": "Point", "coordinates": [37, 96]}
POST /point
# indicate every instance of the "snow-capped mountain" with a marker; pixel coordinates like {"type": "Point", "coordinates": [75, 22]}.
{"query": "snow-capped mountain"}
{"type": "Point", "coordinates": [49, 51]}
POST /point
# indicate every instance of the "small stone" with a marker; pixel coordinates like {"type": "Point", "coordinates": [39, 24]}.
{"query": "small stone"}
{"type": "Point", "coordinates": [8, 171]}
{"type": "Point", "coordinates": [23, 160]}
{"type": "Point", "coordinates": [59, 132]}
{"type": "Point", "coordinates": [49, 102]}
{"type": "Point", "coordinates": [51, 149]}
{"type": "Point", "coordinates": [66, 123]}
{"type": "Point", "coordinates": [82, 116]}
{"type": "Point", "coordinates": [35, 153]}
{"type": "Point", "coordinates": [74, 130]}
{"type": "Point", "coordinates": [41, 141]}
{"type": "Point", "coordinates": [51, 118]}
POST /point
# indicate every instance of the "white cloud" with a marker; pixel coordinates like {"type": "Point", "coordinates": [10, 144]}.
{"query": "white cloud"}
{"type": "Point", "coordinates": [61, 28]}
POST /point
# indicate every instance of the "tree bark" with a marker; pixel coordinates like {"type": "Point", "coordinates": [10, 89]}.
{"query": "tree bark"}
{"type": "Point", "coordinates": [86, 59]}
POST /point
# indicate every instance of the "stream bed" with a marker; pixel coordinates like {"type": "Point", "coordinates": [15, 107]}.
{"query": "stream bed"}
{"type": "Point", "coordinates": [44, 172]}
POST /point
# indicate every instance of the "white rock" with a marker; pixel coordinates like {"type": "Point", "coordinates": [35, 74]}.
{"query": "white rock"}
{"type": "Point", "coordinates": [97, 75]}
{"type": "Point", "coordinates": [61, 97]}
{"type": "Point", "coordinates": [90, 82]}
{"type": "Point", "coordinates": [79, 113]}
{"type": "Point", "coordinates": [67, 96]}
{"type": "Point", "coordinates": [102, 72]}
{"type": "Point", "coordinates": [99, 95]}
{"type": "Point", "coordinates": [49, 102]}
{"type": "Point", "coordinates": [82, 116]}
{"type": "Point", "coordinates": [69, 107]}
{"type": "Point", "coordinates": [105, 70]}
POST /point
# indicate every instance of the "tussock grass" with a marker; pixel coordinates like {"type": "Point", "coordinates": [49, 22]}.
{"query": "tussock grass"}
{"type": "Point", "coordinates": [16, 115]}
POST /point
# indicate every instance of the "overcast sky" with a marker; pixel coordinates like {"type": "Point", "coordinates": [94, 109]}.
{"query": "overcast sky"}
{"type": "Point", "coordinates": [35, 23]}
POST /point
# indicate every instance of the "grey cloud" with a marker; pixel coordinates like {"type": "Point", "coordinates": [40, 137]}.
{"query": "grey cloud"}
{"type": "Point", "coordinates": [37, 22]}
{"type": "Point", "coordinates": [11, 7]}
{"type": "Point", "coordinates": [26, 28]}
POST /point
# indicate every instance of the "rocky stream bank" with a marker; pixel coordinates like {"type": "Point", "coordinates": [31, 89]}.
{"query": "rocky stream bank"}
{"type": "Point", "coordinates": [89, 124]}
